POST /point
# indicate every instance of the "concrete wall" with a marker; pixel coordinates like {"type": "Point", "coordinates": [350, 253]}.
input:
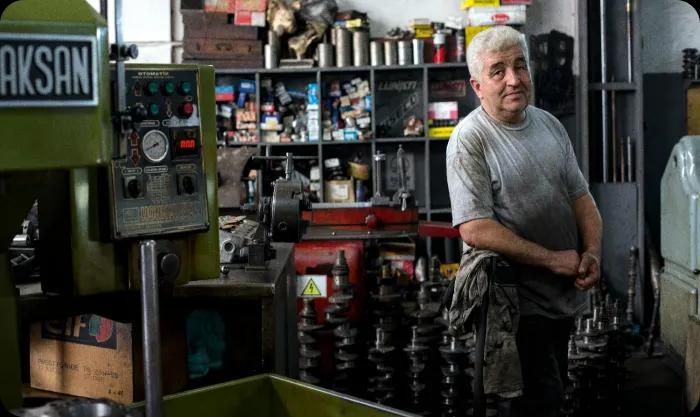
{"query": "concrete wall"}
{"type": "Point", "coordinates": [668, 27]}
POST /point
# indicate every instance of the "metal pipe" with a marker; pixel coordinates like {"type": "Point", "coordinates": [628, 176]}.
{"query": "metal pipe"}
{"type": "Point", "coordinates": [604, 96]}
{"type": "Point", "coordinates": [630, 160]}
{"type": "Point", "coordinates": [120, 82]}
{"type": "Point", "coordinates": [379, 157]}
{"type": "Point", "coordinates": [628, 9]}
{"type": "Point", "coordinates": [632, 282]}
{"type": "Point", "coordinates": [614, 134]}
{"type": "Point", "coordinates": [150, 333]}
{"type": "Point", "coordinates": [177, 31]}
{"type": "Point", "coordinates": [655, 266]}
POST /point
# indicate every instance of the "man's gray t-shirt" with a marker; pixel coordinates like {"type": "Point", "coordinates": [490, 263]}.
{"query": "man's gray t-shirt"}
{"type": "Point", "coordinates": [526, 177]}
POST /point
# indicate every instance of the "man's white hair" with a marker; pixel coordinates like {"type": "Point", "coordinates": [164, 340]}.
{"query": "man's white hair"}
{"type": "Point", "coordinates": [495, 39]}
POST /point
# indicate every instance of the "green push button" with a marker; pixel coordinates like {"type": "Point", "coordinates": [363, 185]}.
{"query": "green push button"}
{"type": "Point", "coordinates": [154, 109]}
{"type": "Point", "coordinates": [169, 88]}
{"type": "Point", "coordinates": [152, 88]}
{"type": "Point", "coordinates": [185, 87]}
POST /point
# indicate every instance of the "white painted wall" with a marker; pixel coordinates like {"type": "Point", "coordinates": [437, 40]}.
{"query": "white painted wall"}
{"type": "Point", "coordinates": [668, 26]}
{"type": "Point", "coordinates": [146, 23]}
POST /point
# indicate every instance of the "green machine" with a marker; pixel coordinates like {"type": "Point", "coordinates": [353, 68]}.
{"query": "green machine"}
{"type": "Point", "coordinates": [122, 159]}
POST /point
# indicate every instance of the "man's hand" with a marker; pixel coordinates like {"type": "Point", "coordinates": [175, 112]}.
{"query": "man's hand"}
{"type": "Point", "coordinates": [565, 262]}
{"type": "Point", "coordinates": [588, 271]}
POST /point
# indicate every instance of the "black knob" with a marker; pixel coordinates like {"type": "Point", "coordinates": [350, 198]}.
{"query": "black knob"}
{"type": "Point", "coordinates": [133, 187]}
{"type": "Point", "coordinates": [139, 112]}
{"type": "Point", "coordinates": [188, 185]}
{"type": "Point", "coordinates": [169, 265]}
{"type": "Point", "coordinates": [130, 51]}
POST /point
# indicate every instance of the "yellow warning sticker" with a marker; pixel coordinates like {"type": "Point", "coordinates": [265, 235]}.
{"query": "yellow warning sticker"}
{"type": "Point", "coordinates": [311, 289]}
{"type": "Point", "coordinates": [311, 286]}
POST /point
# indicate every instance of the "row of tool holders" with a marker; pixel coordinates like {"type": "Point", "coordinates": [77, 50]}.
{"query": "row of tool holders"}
{"type": "Point", "coordinates": [401, 354]}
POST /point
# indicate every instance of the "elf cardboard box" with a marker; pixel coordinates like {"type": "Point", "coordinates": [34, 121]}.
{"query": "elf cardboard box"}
{"type": "Point", "coordinates": [92, 356]}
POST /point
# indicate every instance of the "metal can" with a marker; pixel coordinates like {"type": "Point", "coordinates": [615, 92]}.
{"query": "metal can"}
{"type": "Point", "coordinates": [343, 45]}
{"type": "Point", "coordinates": [376, 53]}
{"type": "Point", "coordinates": [360, 55]}
{"type": "Point", "coordinates": [325, 55]}
{"type": "Point", "coordinates": [418, 46]}
{"type": "Point", "coordinates": [390, 53]}
{"type": "Point", "coordinates": [273, 40]}
{"type": "Point", "coordinates": [270, 56]}
{"type": "Point", "coordinates": [405, 53]}
{"type": "Point", "coordinates": [440, 53]}
{"type": "Point", "coordinates": [461, 47]}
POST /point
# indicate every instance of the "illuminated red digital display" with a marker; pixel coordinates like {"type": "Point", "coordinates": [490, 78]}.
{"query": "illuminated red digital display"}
{"type": "Point", "coordinates": [187, 144]}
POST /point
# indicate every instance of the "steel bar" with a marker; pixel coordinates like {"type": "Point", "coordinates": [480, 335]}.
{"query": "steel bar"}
{"type": "Point", "coordinates": [628, 10]}
{"type": "Point", "coordinates": [150, 328]}
{"type": "Point", "coordinates": [604, 96]}
{"type": "Point", "coordinates": [614, 135]}
{"type": "Point", "coordinates": [630, 160]}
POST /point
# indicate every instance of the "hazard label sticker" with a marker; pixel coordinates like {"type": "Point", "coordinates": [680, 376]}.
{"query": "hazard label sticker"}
{"type": "Point", "coordinates": [311, 286]}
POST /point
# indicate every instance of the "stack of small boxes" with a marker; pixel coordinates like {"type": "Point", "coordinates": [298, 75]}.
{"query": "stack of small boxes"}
{"type": "Point", "coordinates": [288, 115]}
{"type": "Point", "coordinates": [236, 112]}
{"type": "Point", "coordinates": [347, 112]}
{"type": "Point", "coordinates": [482, 14]}
{"type": "Point", "coordinates": [223, 33]}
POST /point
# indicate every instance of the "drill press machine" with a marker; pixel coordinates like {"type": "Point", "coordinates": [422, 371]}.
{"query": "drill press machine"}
{"type": "Point", "coordinates": [122, 160]}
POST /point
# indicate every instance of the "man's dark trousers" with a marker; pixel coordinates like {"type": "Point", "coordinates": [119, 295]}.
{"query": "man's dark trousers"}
{"type": "Point", "coordinates": [542, 345]}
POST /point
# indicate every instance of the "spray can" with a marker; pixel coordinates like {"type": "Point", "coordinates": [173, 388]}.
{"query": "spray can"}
{"type": "Point", "coordinates": [461, 41]}
{"type": "Point", "coordinates": [440, 53]}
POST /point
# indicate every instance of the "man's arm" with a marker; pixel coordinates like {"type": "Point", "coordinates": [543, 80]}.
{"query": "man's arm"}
{"type": "Point", "coordinates": [491, 235]}
{"type": "Point", "coordinates": [590, 227]}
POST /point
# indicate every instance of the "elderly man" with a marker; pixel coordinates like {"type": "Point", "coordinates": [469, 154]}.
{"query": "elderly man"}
{"type": "Point", "coordinates": [516, 189]}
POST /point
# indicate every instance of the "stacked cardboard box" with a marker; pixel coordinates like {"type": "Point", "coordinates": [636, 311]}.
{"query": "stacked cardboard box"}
{"type": "Point", "coordinates": [218, 34]}
{"type": "Point", "coordinates": [482, 14]}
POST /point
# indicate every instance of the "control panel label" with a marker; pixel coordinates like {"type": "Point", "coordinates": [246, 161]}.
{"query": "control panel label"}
{"type": "Point", "coordinates": [47, 70]}
{"type": "Point", "coordinates": [160, 213]}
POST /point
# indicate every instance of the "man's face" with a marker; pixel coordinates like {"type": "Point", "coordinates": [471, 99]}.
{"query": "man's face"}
{"type": "Point", "coordinates": [505, 86]}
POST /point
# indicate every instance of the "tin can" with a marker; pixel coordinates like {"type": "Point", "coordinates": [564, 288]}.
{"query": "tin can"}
{"type": "Point", "coordinates": [270, 56]}
{"type": "Point", "coordinates": [376, 53]}
{"type": "Point", "coordinates": [405, 53]}
{"type": "Point", "coordinates": [418, 46]}
{"type": "Point", "coordinates": [390, 53]}
{"type": "Point", "coordinates": [343, 47]}
{"type": "Point", "coordinates": [325, 55]}
{"type": "Point", "coordinates": [360, 54]}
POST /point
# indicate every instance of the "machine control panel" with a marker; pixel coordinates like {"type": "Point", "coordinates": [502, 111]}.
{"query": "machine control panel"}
{"type": "Point", "coordinates": [158, 181]}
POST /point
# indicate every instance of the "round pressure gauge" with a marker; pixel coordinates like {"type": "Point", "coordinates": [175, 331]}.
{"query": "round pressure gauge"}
{"type": "Point", "coordinates": [155, 145]}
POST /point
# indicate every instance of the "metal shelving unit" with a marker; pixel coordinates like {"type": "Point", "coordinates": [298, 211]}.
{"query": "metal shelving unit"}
{"type": "Point", "coordinates": [422, 143]}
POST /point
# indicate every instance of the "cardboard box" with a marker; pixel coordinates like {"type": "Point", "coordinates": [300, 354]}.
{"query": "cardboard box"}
{"type": "Point", "coordinates": [503, 15]}
{"type": "Point", "coordinates": [220, 6]}
{"type": "Point", "coordinates": [222, 48]}
{"type": "Point", "coordinates": [479, 3]}
{"type": "Point", "coordinates": [251, 5]}
{"type": "Point", "coordinates": [199, 24]}
{"type": "Point", "coordinates": [246, 18]}
{"type": "Point", "coordinates": [339, 191]}
{"type": "Point", "coordinates": [92, 356]}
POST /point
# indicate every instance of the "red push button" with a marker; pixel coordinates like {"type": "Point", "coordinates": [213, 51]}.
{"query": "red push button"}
{"type": "Point", "coordinates": [186, 110]}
